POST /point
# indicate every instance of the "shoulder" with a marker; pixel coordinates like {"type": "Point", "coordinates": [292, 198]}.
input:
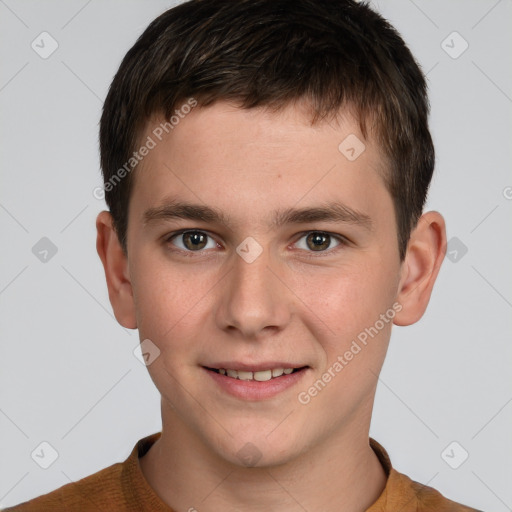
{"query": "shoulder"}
{"type": "Point", "coordinates": [425, 498]}
{"type": "Point", "coordinates": [89, 494]}
{"type": "Point", "coordinates": [120, 486]}
{"type": "Point", "coordinates": [403, 493]}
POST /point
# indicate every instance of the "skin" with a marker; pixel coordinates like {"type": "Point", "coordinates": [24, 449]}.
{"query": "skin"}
{"type": "Point", "coordinates": [211, 306]}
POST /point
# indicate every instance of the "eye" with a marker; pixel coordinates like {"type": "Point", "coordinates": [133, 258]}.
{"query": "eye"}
{"type": "Point", "coordinates": [191, 241]}
{"type": "Point", "coordinates": [319, 241]}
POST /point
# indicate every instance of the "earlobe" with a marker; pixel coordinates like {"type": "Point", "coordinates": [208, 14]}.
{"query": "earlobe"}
{"type": "Point", "coordinates": [115, 264]}
{"type": "Point", "coordinates": [420, 268]}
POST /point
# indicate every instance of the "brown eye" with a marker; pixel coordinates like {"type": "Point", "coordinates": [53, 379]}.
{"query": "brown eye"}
{"type": "Point", "coordinates": [193, 241]}
{"type": "Point", "coordinates": [318, 241]}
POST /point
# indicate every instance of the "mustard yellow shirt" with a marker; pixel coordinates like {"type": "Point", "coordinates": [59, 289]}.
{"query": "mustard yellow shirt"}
{"type": "Point", "coordinates": [122, 487]}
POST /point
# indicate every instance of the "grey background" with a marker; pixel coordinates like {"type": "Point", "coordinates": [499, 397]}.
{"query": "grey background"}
{"type": "Point", "coordinates": [68, 375]}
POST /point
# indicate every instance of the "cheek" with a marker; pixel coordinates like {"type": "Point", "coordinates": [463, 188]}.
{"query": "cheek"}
{"type": "Point", "coordinates": [349, 300]}
{"type": "Point", "coordinates": [163, 295]}
{"type": "Point", "coordinates": [173, 305]}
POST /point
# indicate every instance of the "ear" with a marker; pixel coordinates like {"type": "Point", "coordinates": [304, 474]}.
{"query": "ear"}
{"type": "Point", "coordinates": [423, 259]}
{"type": "Point", "coordinates": [115, 264]}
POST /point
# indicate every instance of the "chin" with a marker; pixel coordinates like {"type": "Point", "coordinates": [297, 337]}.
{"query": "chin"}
{"type": "Point", "coordinates": [258, 450]}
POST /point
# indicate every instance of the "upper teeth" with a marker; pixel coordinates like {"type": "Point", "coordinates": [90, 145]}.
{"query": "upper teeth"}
{"type": "Point", "coordinates": [259, 376]}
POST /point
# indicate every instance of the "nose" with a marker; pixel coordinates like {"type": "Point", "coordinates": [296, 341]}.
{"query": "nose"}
{"type": "Point", "coordinates": [254, 301]}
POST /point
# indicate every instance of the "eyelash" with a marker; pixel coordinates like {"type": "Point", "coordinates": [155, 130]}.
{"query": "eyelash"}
{"type": "Point", "coordinates": [313, 254]}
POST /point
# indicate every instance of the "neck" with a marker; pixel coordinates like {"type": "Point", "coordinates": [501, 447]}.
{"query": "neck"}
{"type": "Point", "coordinates": [341, 473]}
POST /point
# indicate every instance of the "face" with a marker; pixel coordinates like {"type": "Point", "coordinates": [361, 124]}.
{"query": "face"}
{"type": "Point", "coordinates": [285, 260]}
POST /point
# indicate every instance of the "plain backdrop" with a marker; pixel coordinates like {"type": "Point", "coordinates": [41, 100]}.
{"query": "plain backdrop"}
{"type": "Point", "coordinates": [68, 373]}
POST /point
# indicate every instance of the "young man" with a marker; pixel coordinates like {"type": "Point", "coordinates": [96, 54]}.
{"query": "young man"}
{"type": "Point", "coordinates": [266, 163]}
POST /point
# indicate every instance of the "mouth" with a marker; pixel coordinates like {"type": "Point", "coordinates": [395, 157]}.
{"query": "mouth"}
{"type": "Point", "coordinates": [257, 375]}
{"type": "Point", "coordinates": [255, 383]}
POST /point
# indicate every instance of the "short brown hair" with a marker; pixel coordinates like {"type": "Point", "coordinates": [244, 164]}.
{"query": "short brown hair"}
{"type": "Point", "coordinates": [332, 53]}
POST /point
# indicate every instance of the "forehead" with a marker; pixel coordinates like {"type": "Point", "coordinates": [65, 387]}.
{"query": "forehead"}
{"type": "Point", "coordinates": [288, 128]}
{"type": "Point", "coordinates": [245, 160]}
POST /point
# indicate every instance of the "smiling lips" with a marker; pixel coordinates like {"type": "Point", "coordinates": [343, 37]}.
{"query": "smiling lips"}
{"type": "Point", "coordinates": [255, 382]}
{"type": "Point", "coordinates": [260, 376]}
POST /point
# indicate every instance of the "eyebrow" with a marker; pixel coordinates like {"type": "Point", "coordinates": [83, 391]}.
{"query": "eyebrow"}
{"type": "Point", "coordinates": [330, 212]}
